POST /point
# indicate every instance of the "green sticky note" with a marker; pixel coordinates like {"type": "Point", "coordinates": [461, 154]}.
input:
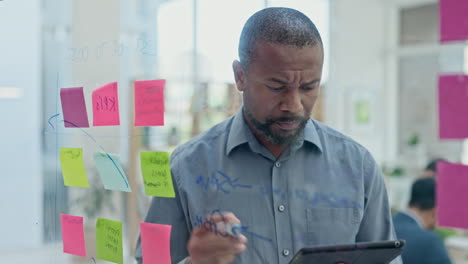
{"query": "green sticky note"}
{"type": "Point", "coordinates": [73, 169]}
{"type": "Point", "coordinates": [156, 171]}
{"type": "Point", "coordinates": [109, 240]}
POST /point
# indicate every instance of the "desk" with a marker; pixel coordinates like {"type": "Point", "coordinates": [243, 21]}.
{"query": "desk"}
{"type": "Point", "coordinates": [457, 247]}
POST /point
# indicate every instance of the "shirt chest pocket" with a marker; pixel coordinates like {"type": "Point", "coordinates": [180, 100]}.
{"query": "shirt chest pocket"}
{"type": "Point", "coordinates": [326, 226]}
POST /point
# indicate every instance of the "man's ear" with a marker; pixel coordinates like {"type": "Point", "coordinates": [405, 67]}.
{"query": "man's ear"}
{"type": "Point", "coordinates": [239, 75]}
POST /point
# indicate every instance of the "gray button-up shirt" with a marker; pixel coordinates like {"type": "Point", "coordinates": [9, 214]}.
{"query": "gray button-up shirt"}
{"type": "Point", "coordinates": [324, 189]}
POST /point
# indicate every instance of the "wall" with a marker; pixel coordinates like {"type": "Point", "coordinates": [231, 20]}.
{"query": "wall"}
{"type": "Point", "coordinates": [368, 61]}
{"type": "Point", "coordinates": [357, 66]}
{"type": "Point", "coordinates": [20, 138]}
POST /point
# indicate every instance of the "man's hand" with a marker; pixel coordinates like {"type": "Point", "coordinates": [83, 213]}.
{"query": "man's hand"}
{"type": "Point", "coordinates": [210, 244]}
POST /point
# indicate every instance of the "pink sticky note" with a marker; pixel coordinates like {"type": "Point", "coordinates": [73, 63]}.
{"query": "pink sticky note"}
{"type": "Point", "coordinates": [452, 195]}
{"type": "Point", "coordinates": [74, 107]}
{"type": "Point", "coordinates": [106, 105]}
{"type": "Point", "coordinates": [149, 103]}
{"type": "Point", "coordinates": [453, 107]}
{"type": "Point", "coordinates": [73, 235]}
{"type": "Point", "coordinates": [155, 243]}
{"type": "Point", "coordinates": [453, 20]}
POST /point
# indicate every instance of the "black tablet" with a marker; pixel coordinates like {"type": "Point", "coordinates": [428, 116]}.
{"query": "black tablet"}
{"type": "Point", "coordinates": [381, 252]}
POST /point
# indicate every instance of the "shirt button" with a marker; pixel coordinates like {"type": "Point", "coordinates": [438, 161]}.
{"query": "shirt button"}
{"type": "Point", "coordinates": [278, 164]}
{"type": "Point", "coordinates": [281, 208]}
{"type": "Point", "coordinates": [285, 252]}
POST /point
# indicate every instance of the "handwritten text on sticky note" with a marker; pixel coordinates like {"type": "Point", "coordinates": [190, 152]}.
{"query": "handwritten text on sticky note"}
{"type": "Point", "coordinates": [73, 169]}
{"type": "Point", "coordinates": [155, 243]}
{"type": "Point", "coordinates": [149, 103]}
{"type": "Point", "coordinates": [106, 105]}
{"type": "Point", "coordinates": [74, 107]}
{"type": "Point", "coordinates": [112, 175]}
{"type": "Point", "coordinates": [73, 235]}
{"type": "Point", "coordinates": [109, 240]}
{"type": "Point", "coordinates": [155, 167]}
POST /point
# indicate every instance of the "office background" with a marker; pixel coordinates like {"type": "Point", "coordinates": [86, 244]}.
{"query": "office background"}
{"type": "Point", "coordinates": [383, 58]}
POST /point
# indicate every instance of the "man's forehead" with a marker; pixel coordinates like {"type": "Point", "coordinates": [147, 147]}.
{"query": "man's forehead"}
{"type": "Point", "coordinates": [274, 56]}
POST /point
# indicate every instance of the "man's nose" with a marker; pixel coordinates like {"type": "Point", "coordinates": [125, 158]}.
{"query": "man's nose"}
{"type": "Point", "coordinates": [291, 101]}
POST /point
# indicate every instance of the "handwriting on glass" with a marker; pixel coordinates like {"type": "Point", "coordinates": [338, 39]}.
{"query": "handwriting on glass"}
{"type": "Point", "coordinates": [114, 48]}
{"type": "Point", "coordinates": [221, 182]}
{"type": "Point", "coordinates": [210, 225]}
{"type": "Point", "coordinates": [78, 54]}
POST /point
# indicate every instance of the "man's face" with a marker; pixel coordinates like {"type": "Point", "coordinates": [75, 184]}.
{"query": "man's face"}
{"type": "Point", "coordinates": [429, 173]}
{"type": "Point", "coordinates": [432, 219]}
{"type": "Point", "coordinates": [280, 87]}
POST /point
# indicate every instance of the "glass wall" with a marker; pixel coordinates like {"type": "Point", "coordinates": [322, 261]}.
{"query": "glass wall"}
{"type": "Point", "coordinates": [378, 86]}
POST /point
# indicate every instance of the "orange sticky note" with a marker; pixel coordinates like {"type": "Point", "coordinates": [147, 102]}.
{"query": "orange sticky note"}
{"type": "Point", "coordinates": [106, 105]}
{"type": "Point", "coordinates": [149, 103]}
{"type": "Point", "coordinates": [155, 243]}
{"type": "Point", "coordinates": [73, 235]}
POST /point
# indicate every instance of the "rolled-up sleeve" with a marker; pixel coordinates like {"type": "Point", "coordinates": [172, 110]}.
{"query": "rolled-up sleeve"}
{"type": "Point", "coordinates": [169, 211]}
{"type": "Point", "coordinates": [377, 224]}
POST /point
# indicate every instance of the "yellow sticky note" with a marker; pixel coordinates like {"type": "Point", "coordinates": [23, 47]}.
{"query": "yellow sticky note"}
{"type": "Point", "coordinates": [73, 169]}
{"type": "Point", "coordinates": [155, 167]}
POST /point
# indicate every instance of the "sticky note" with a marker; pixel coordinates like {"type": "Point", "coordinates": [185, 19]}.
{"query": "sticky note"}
{"type": "Point", "coordinates": [106, 105]}
{"type": "Point", "coordinates": [149, 103]}
{"type": "Point", "coordinates": [157, 180]}
{"type": "Point", "coordinates": [73, 235]}
{"type": "Point", "coordinates": [73, 169]}
{"type": "Point", "coordinates": [74, 107]}
{"type": "Point", "coordinates": [109, 240]}
{"type": "Point", "coordinates": [453, 106]}
{"type": "Point", "coordinates": [155, 243]}
{"type": "Point", "coordinates": [112, 175]}
{"type": "Point", "coordinates": [453, 20]}
{"type": "Point", "coordinates": [452, 195]}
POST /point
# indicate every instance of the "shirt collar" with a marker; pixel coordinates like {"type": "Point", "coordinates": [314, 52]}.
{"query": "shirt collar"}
{"type": "Point", "coordinates": [311, 135]}
{"type": "Point", "coordinates": [414, 216]}
{"type": "Point", "coordinates": [239, 133]}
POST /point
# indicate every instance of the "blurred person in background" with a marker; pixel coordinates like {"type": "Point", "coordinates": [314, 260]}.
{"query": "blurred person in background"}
{"type": "Point", "coordinates": [431, 172]}
{"type": "Point", "coordinates": [431, 168]}
{"type": "Point", "coordinates": [415, 225]}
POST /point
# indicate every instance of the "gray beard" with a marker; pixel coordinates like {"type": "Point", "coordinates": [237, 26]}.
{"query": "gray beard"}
{"type": "Point", "coordinates": [265, 128]}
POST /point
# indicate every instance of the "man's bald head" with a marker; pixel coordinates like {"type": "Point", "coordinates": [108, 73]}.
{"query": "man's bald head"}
{"type": "Point", "coordinates": [278, 25]}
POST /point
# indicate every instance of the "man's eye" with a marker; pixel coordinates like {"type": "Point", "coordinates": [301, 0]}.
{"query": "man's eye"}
{"type": "Point", "coordinates": [309, 88]}
{"type": "Point", "coordinates": [276, 88]}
